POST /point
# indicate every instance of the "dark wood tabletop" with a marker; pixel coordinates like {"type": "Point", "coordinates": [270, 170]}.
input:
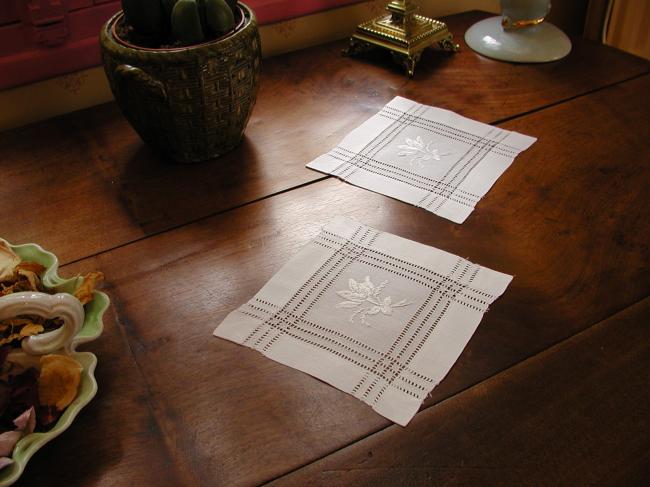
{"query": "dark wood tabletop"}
{"type": "Point", "coordinates": [551, 389]}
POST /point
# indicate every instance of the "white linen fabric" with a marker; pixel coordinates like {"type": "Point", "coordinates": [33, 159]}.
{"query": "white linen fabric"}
{"type": "Point", "coordinates": [375, 315]}
{"type": "Point", "coordinates": [426, 156]}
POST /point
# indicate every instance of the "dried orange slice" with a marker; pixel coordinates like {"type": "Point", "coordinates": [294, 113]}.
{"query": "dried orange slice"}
{"type": "Point", "coordinates": [59, 380]}
{"type": "Point", "coordinates": [84, 292]}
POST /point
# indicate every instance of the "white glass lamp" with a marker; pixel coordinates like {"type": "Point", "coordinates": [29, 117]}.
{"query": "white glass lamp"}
{"type": "Point", "coordinates": [520, 35]}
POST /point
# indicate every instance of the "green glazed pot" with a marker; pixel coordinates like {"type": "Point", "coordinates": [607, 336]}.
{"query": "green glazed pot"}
{"type": "Point", "coordinates": [189, 103]}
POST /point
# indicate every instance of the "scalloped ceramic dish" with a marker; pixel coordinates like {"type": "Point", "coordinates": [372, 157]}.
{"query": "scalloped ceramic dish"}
{"type": "Point", "coordinates": [91, 329]}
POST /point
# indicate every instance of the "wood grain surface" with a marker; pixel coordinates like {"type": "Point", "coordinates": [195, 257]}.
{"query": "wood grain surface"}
{"type": "Point", "coordinates": [115, 440]}
{"type": "Point", "coordinates": [90, 174]}
{"type": "Point", "coordinates": [568, 220]}
{"type": "Point", "coordinates": [572, 415]}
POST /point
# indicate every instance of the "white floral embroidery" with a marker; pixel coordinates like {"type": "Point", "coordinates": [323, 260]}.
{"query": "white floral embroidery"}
{"type": "Point", "coordinates": [366, 297]}
{"type": "Point", "coordinates": [422, 152]}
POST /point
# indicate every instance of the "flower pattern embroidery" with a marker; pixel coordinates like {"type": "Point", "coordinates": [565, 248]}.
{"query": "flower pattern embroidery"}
{"type": "Point", "coordinates": [421, 151]}
{"type": "Point", "coordinates": [367, 299]}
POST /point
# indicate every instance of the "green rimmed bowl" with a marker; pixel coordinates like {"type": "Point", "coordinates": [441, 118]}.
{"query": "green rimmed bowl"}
{"type": "Point", "coordinates": [91, 329]}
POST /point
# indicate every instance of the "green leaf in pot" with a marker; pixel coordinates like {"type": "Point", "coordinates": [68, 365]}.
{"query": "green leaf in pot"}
{"type": "Point", "coordinates": [219, 16]}
{"type": "Point", "coordinates": [186, 22]}
{"type": "Point", "coordinates": [168, 6]}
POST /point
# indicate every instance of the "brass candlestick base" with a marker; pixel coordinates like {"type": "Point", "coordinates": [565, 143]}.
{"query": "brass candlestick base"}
{"type": "Point", "coordinates": [403, 32]}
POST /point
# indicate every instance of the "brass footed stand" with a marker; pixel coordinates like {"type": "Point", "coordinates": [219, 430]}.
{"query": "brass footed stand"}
{"type": "Point", "coordinates": [403, 32]}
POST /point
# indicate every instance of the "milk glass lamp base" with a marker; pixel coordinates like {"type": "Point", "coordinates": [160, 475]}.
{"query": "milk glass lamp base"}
{"type": "Point", "coordinates": [536, 44]}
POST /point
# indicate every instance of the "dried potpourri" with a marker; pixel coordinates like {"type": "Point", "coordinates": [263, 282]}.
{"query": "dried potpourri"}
{"type": "Point", "coordinates": [32, 398]}
{"type": "Point", "coordinates": [16, 276]}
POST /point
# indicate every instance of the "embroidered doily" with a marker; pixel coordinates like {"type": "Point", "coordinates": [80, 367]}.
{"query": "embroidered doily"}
{"type": "Point", "coordinates": [426, 156]}
{"type": "Point", "coordinates": [375, 315]}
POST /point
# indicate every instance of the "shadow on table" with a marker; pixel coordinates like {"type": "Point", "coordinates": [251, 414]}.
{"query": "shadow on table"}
{"type": "Point", "coordinates": [431, 60]}
{"type": "Point", "coordinates": [160, 194]}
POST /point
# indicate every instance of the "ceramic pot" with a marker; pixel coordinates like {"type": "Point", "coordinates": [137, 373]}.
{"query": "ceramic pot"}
{"type": "Point", "coordinates": [188, 103]}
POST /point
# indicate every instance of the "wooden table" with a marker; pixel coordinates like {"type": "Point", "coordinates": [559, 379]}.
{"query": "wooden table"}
{"type": "Point", "coordinates": [552, 388]}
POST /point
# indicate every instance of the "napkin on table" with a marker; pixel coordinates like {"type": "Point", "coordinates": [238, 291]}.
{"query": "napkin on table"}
{"type": "Point", "coordinates": [375, 315]}
{"type": "Point", "coordinates": [426, 156]}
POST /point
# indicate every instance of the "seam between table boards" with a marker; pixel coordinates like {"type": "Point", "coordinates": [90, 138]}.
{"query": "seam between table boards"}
{"type": "Point", "coordinates": [327, 177]}
{"type": "Point", "coordinates": [522, 362]}
{"type": "Point", "coordinates": [570, 98]}
{"type": "Point", "coordinates": [181, 472]}
{"type": "Point", "coordinates": [193, 221]}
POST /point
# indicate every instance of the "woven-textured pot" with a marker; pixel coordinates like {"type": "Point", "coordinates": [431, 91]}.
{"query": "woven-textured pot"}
{"type": "Point", "coordinates": [189, 103]}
